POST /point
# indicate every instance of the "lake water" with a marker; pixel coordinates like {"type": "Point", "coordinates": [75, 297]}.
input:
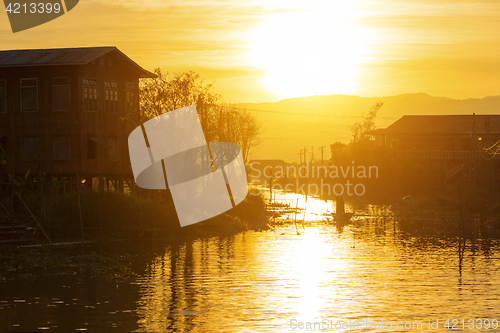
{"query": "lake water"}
{"type": "Point", "coordinates": [279, 280]}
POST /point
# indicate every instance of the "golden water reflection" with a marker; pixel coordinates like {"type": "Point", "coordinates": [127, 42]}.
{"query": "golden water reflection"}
{"type": "Point", "coordinates": [260, 281]}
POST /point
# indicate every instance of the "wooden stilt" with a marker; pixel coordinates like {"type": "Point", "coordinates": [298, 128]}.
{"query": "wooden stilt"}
{"type": "Point", "coordinates": [120, 184]}
{"type": "Point", "coordinates": [101, 183]}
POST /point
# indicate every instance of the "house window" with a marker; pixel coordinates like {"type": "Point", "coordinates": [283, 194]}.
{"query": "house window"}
{"type": "Point", "coordinates": [113, 149]}
{"type": "Point", "coordinates": [60, 88]}
{"type": "Point", "coordinates": [29, 95]}
{"type": "Point", "coordinates": [111, 96]}
{"type": "Point", "coordinates": [91, 149]}
{"type": "Point", "coordinates": [62, 146]}
{"type": "Point", "coordinates": [131, 97]}
{"type": "Point", "coordinates": [30, 148]}
{"type": "Point", "coordinates": [3, 96]}
{"type": "Point", "coordinates": [89, 94]}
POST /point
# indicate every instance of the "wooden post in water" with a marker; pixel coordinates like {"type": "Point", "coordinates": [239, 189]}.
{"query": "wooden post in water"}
{"type": "Point", "coordinates": [78, 183]}
{"type": "Point", "coordinates": [461, 238]}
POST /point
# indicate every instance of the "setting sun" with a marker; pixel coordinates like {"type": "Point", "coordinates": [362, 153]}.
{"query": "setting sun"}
{"type": "Point", "coordinates": [315, 50]}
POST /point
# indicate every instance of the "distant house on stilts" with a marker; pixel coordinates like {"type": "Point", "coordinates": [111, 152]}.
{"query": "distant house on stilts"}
{"type": "Point", "coordinates": [66, 113]}
{"type": "Point", "coordinates": [455, 146]}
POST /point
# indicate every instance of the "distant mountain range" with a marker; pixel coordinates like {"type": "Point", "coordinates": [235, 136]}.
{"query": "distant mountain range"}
{"type": "Point", "coordinates": [292, 124]}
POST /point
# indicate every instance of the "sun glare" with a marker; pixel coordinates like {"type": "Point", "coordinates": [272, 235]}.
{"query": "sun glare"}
{"type": "Point", "coordinates": [310, 51]}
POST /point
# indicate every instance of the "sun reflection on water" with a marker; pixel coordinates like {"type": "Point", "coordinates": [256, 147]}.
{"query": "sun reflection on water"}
{"type": "Point", "coordinates": [259, 281]}
{"type": "Point", "coordinates": [311, 262]}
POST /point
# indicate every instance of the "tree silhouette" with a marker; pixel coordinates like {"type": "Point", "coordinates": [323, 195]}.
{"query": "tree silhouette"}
{"type": "Point", "coordinates": [361, 129]}
{"type": "Point", "coordinates": [221, 121]}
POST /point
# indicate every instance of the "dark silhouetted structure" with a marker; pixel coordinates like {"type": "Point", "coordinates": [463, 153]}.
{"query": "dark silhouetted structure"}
{"type": "Point", "coordinates": [450, 144]}
{"type": "Point", "coordinates": [65, 112]}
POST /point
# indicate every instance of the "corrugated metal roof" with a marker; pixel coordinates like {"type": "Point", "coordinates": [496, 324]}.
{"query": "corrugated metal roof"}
{"type": "Point", "coordinates": [67, 56]}
{"type": "Point", "coordinates": [441, 124]}
{"type": "Point", "coordinates": [75, 56]}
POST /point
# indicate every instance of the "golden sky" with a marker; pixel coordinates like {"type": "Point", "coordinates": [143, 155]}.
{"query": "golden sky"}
{"type": "Point", "coordinates": [267, 50]}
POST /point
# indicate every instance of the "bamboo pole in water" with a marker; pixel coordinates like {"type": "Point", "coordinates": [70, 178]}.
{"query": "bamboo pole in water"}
{"type": "Point", "coordinates": [295, 220]}
{"type": "Point", "coordinates": [78, 183]}
{"type": "Point", "coordinates": [34, 218]}
{"type": "Point", "coordinates": [10, 215]}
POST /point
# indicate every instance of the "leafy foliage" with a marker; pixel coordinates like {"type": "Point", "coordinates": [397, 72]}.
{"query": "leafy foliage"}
{"type": "Point", "coordinates": [221, 121]}
{"type": "Point", "coordinates": [360, 149]}
{"type": "Point", "coordinates": [168, 92]}
{"type": "Point", "coordinates": [361, 129]}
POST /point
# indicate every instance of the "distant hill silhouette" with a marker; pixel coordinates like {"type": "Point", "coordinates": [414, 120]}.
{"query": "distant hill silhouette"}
{"type": "Point", "coordinates": [292, 124]}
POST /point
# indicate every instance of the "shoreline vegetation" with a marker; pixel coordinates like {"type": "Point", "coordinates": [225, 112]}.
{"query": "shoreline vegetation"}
{"type": "Point", "coordinates": [114, 224]}
{"type": "Point", "coordinates": [114, 215]}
